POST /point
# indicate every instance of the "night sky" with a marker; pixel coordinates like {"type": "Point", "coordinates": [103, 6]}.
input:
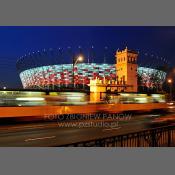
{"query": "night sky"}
{"type": "Point", "coordinates": [18, 41]}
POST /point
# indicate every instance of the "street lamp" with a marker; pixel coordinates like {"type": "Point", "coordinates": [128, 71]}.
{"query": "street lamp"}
{"type": "Point", "coordinates": [170, 82]}
{"type": "Point", "coordinates": [75, 60]}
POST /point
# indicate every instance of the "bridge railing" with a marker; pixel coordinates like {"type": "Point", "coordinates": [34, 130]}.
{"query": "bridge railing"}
{"type": "Point", "coordinates": [157, 137]}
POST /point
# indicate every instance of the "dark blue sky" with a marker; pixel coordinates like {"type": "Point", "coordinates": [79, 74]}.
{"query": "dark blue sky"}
{"type": "Point", "coordinates": [18, 41]}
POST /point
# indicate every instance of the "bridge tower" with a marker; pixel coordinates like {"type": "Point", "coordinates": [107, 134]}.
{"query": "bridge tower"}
{"type": "Point", "coordinates": [126, 69]}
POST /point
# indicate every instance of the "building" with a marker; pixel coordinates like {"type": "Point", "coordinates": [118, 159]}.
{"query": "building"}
{"type": "Point", "coordinates": [126, 74]}
{"type": "Point", "coordinates": [60, 76]}
{"type": "Point", "coordinates": [126, 69]}
{"type": "Point", "coordinates": [122, 76]}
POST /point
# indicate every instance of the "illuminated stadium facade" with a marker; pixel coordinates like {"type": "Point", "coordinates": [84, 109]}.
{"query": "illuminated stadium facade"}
{"type": "Point", "coordinates": [61, 75]}
{"type": "Point", "coordinates": [36, 74]}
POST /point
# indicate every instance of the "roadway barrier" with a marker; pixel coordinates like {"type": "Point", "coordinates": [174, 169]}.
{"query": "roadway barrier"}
{"type": "Point", "coordinates": [157, 137]}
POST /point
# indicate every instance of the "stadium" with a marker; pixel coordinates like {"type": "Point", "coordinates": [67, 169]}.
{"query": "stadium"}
{"type": "Point", "coordinates": [50, 70]}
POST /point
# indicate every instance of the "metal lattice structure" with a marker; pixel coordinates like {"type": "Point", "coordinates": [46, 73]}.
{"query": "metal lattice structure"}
{"type": "Point", "coordinates": [151, 77]}
{"type": "Point", "coordinates": [61, 75]}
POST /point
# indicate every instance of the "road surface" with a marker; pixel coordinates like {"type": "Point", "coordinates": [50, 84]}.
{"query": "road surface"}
{"type": "Point", "coordinates": [46, 134]}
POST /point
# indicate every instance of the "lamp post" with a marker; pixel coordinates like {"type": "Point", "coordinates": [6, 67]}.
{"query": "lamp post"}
{"type": "Point", "coordinates": [75, 60]}
{"type": "Point", "coordinates": [170, 82]}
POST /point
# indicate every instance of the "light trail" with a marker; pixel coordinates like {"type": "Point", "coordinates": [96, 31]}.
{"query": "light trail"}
{"type": "Point", "coordinates": [39, 138]}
